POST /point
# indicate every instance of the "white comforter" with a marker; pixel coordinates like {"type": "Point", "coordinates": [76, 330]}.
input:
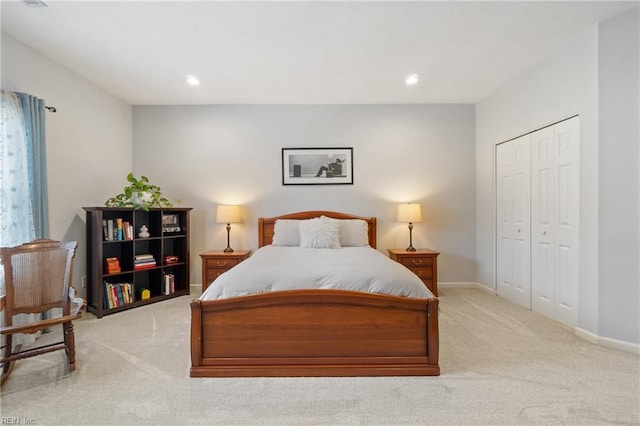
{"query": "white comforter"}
{"type": "Point", "coordinates": [290, 268]}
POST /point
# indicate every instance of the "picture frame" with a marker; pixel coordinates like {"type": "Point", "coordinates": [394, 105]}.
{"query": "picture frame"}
{"type": "Point", "coordinates": [317, 166]}
{"type": "Point", "coordinates": [170, 222]}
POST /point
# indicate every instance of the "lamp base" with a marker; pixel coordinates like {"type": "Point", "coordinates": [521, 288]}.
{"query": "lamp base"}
{"type": "Point", "coordinates": [228, 249]}
{"type": "Point", "coordinates": [411, 248]}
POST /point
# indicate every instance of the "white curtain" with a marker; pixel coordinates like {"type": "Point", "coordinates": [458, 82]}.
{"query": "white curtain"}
{"type": "Point", "coordinates": [16, 212]}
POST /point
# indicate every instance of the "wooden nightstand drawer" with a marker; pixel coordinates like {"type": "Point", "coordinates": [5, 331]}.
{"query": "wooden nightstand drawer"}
{"type": "Point", "coordinates": [423, 273]}
{"type": "Point", "coordinates": [221, 263]}
{"type": "Point", "coordinates": [422, 262]}
{"type": "Point", "coordinates": [417, 262]}
{"type": "Point", "coordinates": [215, 263]}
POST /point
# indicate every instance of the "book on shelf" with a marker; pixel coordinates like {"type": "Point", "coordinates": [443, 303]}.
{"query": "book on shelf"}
{"type": "Point", "coordinates": [144, 266]}
{"type": "Point", "coordinates": [113, 297]}
{"type": "Point", "coordinates": [109, 230]}
{"type": "Point", "coordinates": [127, 230]}
{"type": "Point", "coordinates": [144, 263]}
{"type": "Point", "coordinates": [117, 294]}
{"type": "Point", "coordinates": [117, 229]}
{"type": "Point", "coordinates": [144, 256]}
{"type": "Point", "coordinates": [169, 284]}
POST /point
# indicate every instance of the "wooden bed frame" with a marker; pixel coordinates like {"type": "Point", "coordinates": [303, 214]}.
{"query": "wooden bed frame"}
{"type": "Point", "coordinates": [314, 332]}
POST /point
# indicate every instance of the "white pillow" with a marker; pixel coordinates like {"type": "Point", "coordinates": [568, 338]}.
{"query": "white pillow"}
{"type": "Point", "coordinates": [354, 233]}
{"type": "Point", "coordinates": [286, 233]}
{"type": "Point", "coordinates": [320, 232]}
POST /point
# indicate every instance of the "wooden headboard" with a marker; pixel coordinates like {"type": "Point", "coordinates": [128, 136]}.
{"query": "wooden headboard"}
{"type": "Point", "coordinates": [265, 225]}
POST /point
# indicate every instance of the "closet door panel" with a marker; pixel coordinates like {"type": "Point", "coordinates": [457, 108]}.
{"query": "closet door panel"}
{"type": "Point", "coordinates": [521, 229]}
{"type": "Point", "coordinates": [566, 217]}
{"type": "Point", "coordinates": [504, 203]}
{"type": "Point", "coordinates": [542, 200]}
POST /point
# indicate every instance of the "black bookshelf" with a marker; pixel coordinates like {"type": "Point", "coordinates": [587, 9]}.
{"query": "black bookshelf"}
{"type": "Point", "coordinates": [146, 281]}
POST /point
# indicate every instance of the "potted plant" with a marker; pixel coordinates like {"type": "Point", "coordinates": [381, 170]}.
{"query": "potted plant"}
{"type": "Point", "coordinates": [139, 194]}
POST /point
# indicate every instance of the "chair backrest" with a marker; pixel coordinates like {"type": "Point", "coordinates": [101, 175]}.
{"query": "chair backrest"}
{"type": "Point", "coordinates": [37, 276]}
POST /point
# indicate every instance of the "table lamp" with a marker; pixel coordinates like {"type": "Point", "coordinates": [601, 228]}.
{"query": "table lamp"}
{"type": "Point", "coordinates": [409, 212]}
{"type": "Point", "coordinates": [228, 214]}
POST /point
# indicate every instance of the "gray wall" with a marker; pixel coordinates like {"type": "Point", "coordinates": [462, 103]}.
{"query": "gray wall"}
{"type": "Point", "coordinates": [619, 76]}
{"type": "Point", "coordinates": [209, 155]}
{"type": "Point", "coordinates": [593, 76]}
{"type": "Point", "coordinates": [564, 85]}
{"type": "Point", "coordinates": [88, 140]}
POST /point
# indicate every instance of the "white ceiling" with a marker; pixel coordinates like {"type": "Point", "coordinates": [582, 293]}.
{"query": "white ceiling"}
{"type": "Point", "coordinates": [300, 52]}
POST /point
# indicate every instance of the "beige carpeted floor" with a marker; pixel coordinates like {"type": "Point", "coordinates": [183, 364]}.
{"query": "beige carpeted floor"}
{"type": "Point", "coordinates": [501, 364]}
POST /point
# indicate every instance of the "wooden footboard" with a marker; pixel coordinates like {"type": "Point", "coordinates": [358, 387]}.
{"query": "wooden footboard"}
{"type": "Point", "coordinates": [314, 333]}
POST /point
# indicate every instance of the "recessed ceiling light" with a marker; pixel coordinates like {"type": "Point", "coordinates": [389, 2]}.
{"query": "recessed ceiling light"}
{"type": "Point", "coordinates": [412, 79]}
{"type": "Point", "coordinates": [192, 80]}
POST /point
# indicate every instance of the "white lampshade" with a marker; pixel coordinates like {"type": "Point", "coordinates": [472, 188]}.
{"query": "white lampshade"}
{"type": "Point", "coordinates": [228, 214]}
{"type": "Point", "coordinates": [409, 212]}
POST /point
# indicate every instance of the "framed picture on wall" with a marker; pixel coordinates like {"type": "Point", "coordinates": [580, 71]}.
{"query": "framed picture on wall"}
{"type": "Point", "coordinates": [317, 166]}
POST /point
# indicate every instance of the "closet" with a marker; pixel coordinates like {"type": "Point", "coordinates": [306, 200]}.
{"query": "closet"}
{"type": "Point", "coordinates": [537, 213]}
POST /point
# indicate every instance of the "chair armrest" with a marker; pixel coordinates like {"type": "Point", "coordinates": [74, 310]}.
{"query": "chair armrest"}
{"type": "Point", "coordinates": [2, 301]}
{"type": "Point", "coordinates": [32, 327]}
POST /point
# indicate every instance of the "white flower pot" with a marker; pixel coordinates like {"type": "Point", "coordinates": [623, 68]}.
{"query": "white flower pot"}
{"type": "Point", "coordinates": [141, 199]}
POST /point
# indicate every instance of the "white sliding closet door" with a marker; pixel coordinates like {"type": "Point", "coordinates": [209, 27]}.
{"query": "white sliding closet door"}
{"type": "Point", "coordinates": [555, 214]}
{"type": "Point", "coordinates": [513, 209]}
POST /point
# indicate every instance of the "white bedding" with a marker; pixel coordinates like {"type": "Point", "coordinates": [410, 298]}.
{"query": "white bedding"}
{"type": "Point", "coordinates": [273, 268]}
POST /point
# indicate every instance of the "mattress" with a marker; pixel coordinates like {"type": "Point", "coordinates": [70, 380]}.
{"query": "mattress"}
{"type": "Point", "coordinates": [275, 268]}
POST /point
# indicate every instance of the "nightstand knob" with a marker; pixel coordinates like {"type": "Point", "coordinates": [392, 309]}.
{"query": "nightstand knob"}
{"type": "Point", "coordinates": [220, 263]}
{"type": "Point", "coordinates": [418, 273]}
{"type": "Point", "coordinates": [417, 262]}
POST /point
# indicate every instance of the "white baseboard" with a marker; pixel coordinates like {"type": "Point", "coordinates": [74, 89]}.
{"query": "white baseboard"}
{"type": "Point", "coordinates": [586, 335]}
{"type": "Point", "coordinates": [607, 342]}
{"type": "Point", "coordinates": [466, 285]}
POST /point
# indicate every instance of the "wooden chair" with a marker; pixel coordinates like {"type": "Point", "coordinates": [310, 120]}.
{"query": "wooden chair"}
{"type": "Point", "coordinates": [37, 279]}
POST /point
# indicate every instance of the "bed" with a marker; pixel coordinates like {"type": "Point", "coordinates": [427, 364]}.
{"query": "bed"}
{"type": "Point", "coordinates": [314, 332]}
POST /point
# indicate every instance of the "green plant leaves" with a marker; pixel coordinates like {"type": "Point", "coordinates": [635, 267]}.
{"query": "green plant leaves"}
{"type": "Point", "coordinates": [145, 195]}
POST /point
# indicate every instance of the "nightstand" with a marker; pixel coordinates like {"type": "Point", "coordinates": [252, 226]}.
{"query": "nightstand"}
{"type": "Point", "coordinates": [216, 262]}
{"type": "Point", "coordinates": [422, 262]}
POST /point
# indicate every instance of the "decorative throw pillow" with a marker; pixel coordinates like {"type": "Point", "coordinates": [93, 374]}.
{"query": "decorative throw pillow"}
{"type": "Point", "coordinates": [320, 232]}
{"type": "Point", "coordinates": [286, 232]}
